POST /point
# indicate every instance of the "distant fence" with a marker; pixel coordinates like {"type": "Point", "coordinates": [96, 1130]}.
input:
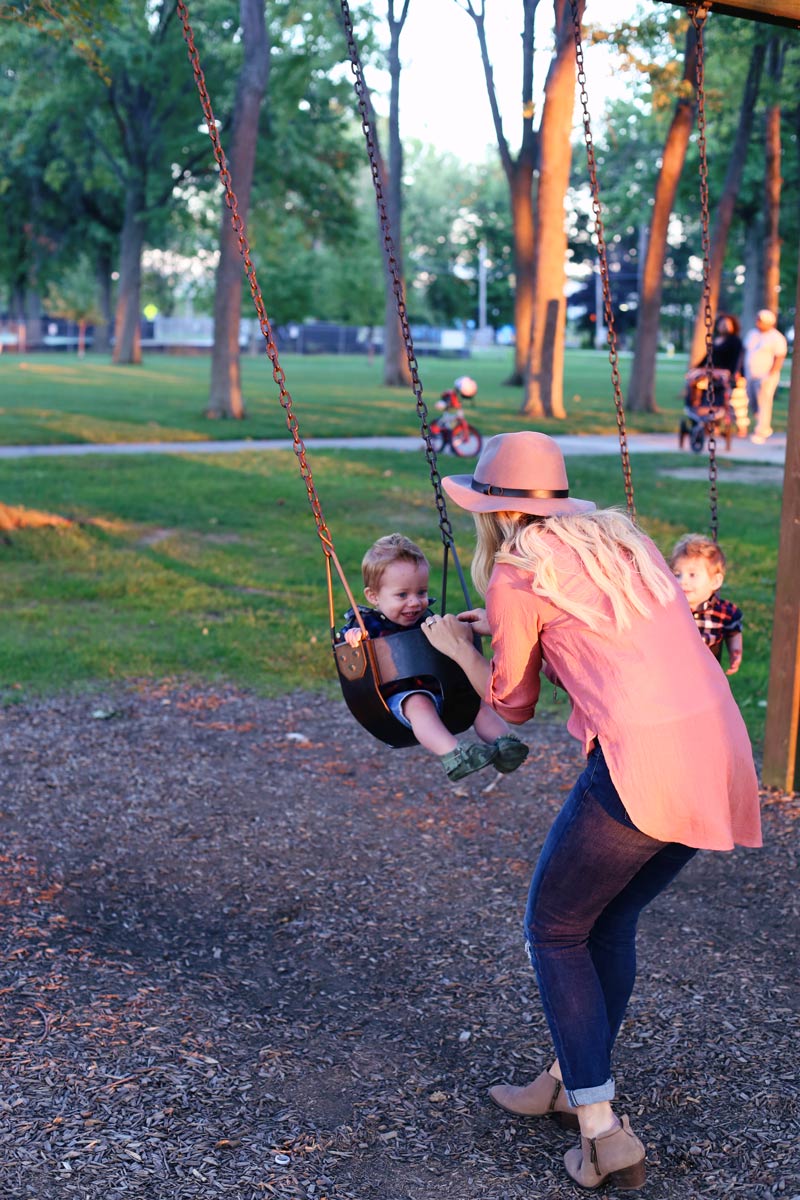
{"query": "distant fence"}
{"type": "Point", "coordinates": [193, 335]}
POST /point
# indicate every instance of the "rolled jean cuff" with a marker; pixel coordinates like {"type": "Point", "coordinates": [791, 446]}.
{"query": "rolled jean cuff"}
{"type": "Point", "coordinates": [591, 1095]}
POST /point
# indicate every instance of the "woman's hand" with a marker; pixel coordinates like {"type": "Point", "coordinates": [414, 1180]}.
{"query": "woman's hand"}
{"type": "Point", "coordinates": [454, 637]}
{"type": "Point", "coordinates": [447, 634]}
{"type": "Point", "coordinates": [476, 619]}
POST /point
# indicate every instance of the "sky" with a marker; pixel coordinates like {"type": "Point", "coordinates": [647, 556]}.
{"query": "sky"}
{"type": "Point", "coordinates": [443, 97]}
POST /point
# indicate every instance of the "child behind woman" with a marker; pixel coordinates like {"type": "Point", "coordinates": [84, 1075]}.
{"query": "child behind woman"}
{"type": "Point", "coordinates": [395, 573]}
{"type": "Point", "coordinates": [698, 564]}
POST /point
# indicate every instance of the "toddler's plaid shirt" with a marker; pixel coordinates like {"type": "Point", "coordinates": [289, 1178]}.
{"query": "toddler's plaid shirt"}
{"type": "Point", "coordinates": [716, 618]}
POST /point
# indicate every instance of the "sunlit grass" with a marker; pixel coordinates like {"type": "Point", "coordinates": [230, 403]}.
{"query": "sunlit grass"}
{"type": "Point", "coordinates": [55, 398]}
{"type": "Point", "coordinates": [209, 566]}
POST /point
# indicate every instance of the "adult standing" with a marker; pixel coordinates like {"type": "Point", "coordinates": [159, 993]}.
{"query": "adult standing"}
{"type": "Point", "coordinates": [765, 349]}
{"type": "Point", "coordinates": [727, 354]}
{"type": "Point", "coordinates": [726, 347]}
{"type": "Point", "coordinates": [585, 596]}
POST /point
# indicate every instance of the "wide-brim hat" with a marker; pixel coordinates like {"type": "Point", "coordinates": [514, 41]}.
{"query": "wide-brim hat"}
{"type": "Point", "coordinates": [517, 472]}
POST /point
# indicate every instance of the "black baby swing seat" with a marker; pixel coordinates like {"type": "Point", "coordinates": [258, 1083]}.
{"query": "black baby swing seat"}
{"type": "Point", "coordinates": [375, 663]}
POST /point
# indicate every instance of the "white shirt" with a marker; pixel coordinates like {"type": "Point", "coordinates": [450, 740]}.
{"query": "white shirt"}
{"type": "Point", "coordinates": [762, 347]}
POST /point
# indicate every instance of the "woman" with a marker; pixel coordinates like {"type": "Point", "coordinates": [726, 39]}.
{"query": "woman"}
{"type": "Point", "coordinates": [727, 347]}
{"type": "Point", "coordinates": [727, 361]}
{"type": "Point", "coordinates": [584, 595]}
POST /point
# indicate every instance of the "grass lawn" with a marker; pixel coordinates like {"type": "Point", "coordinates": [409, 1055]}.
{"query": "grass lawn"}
{"type": "Point", "coordinates": [209, 566]}
{"type": "Point", "coordinates": [56, 397]}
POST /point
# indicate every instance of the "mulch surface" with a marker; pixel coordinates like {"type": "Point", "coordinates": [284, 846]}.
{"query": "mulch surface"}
{"type": "Point", "coordinates": [251, 953]}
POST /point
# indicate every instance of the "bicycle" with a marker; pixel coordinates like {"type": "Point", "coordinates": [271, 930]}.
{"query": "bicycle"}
{"type": "Point", "coordinates": [452, 431]}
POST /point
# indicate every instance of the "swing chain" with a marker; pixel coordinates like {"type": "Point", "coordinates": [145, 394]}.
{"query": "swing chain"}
{"type": "Point", "coordinates": [602, 254]}
{"type": "Point", "coordinates": [397, 283]}
{"type": "Point", "coordinates": [244, 249]}
{"type": "Point", "coordinates": [697, 15]}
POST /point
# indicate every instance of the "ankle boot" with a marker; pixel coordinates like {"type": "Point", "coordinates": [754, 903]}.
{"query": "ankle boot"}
{"type": "Point", "coordinates": [545, 1097]}
{"type": "Point", "coordinates": [615, 1158]}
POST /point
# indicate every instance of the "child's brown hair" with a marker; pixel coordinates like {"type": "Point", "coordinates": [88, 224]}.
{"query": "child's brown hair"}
{"type": "Point", "coordinates": [694, 545]}
{"type": "Point", "coordinates": [394, 547]}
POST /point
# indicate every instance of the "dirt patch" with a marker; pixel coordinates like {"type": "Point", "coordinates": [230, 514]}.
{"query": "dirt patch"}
{"type": "Point", "coordinates": [251, 953]}
{"type": "Point", "coordinates": [154, 537]}
{"type": "Point", "coordinates": [15, 517]}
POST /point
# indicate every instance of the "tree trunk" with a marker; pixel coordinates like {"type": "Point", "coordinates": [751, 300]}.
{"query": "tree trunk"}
{"type": "Point", "coordinates": [225, 394]}
{"type": "Point", "coordinates": [101, 342]}
{"type": "Point", "coordinates": [32, 317]}
{"type": "Point", "coordinates": [523, 223]}
{"type": "Point", "coordinates": [727, 203]}
{"type": "Point", "coordinates": [127, 333]}
{"type": "Point", "coordinates": [772, 208]}
{"type": "Point", "coordinates": [544, 390]}
{"type": "Point", "coordinates": [396, 370]}
{"type": "Point", "coordinates": [641, 386]}
{"type": "Point", "coordinates": [776, 51]}
{"type": "Point", "coordinates": [519, 174]}
{"type": "Point", "coordinates": [753, 268]}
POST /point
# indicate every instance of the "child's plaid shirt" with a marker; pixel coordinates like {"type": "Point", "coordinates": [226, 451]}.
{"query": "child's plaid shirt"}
{"type": "Point", "coordinates": [716, 618]}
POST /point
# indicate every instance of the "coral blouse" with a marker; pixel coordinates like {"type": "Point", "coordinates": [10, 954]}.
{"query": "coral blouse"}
{"type": "Point", "coordinates": [658, 701]}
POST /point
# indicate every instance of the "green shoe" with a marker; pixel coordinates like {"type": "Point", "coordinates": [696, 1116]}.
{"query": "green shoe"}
{"type": "Point", "coordinates": [511, 753]}
{"type": "Point", "coordinates": [466, 759]}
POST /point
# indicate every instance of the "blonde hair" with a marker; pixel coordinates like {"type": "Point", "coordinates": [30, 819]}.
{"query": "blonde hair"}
{"type": "Point", "coordinates": [394, 547]}
{"type": "Point", "coordinates": [610, 548]}
{"type": "Point", "coordinates": [694, 545]}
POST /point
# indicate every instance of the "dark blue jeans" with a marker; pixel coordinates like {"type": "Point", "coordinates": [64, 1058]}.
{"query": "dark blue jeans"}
{"type": "Point", "coordinates": [595, 874]}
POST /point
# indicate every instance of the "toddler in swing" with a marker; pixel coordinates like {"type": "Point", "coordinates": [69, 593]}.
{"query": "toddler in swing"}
{"type": "Point", "coordinates": [395, 573]}
{"type": "Point", "coordinates": [698, 564]}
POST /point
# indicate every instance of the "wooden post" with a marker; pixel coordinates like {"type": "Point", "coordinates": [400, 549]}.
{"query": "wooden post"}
{"type": "Point", "coordinates": [775, 12]}
{"type": "Point", "coordinates": [781, 759]}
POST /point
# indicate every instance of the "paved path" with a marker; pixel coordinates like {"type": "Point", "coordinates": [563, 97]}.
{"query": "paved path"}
{"type": "Point", "coordinates": [741, 449]}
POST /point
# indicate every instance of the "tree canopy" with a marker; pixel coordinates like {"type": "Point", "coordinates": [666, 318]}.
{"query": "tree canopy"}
{"type": "Point", "coordinates": [105, 150]}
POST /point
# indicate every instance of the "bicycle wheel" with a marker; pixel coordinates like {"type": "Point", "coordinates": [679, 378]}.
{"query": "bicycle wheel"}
{"type": "Point", "coordinates": [438, 438]}
{"type": "Point", "coordinates": [466, 441]}
{"type": "Point", "coordinates": [698, 437]}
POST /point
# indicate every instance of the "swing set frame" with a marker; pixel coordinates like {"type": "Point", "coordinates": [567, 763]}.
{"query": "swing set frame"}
{"type": "Point", "coordinates": [771, 12]}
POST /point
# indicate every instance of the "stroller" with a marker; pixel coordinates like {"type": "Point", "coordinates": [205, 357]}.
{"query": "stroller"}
{"type": "Point", "coordinates": [703, 416]}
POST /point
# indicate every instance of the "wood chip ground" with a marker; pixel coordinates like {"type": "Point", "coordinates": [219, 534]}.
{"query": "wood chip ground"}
{"type": "Point", "coordinates": [249, 952]}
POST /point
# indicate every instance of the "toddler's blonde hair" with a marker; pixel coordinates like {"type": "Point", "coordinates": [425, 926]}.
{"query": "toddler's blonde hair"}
{"type": "Point", "coordinates": [694, 545]}
{"type": "Point", "coordinates": [610, 548]}
{"type": "Point", "coordinates": [394, 547]}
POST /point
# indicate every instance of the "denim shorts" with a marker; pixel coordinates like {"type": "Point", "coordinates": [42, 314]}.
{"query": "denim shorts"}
{"type": "Point", "coordinates": [396, 702]}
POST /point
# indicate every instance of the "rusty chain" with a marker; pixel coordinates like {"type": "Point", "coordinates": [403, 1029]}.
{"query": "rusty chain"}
{"type": "Point", "coordinates": [602, 253]}
{"type": "Point", "coordinates": [697, 15]}
{"type": "Point", "coordinates": [244, 249]}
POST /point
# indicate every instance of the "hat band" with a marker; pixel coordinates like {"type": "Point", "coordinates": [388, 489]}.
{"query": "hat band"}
{"type": "Point", "coordinates": [488, 489]}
